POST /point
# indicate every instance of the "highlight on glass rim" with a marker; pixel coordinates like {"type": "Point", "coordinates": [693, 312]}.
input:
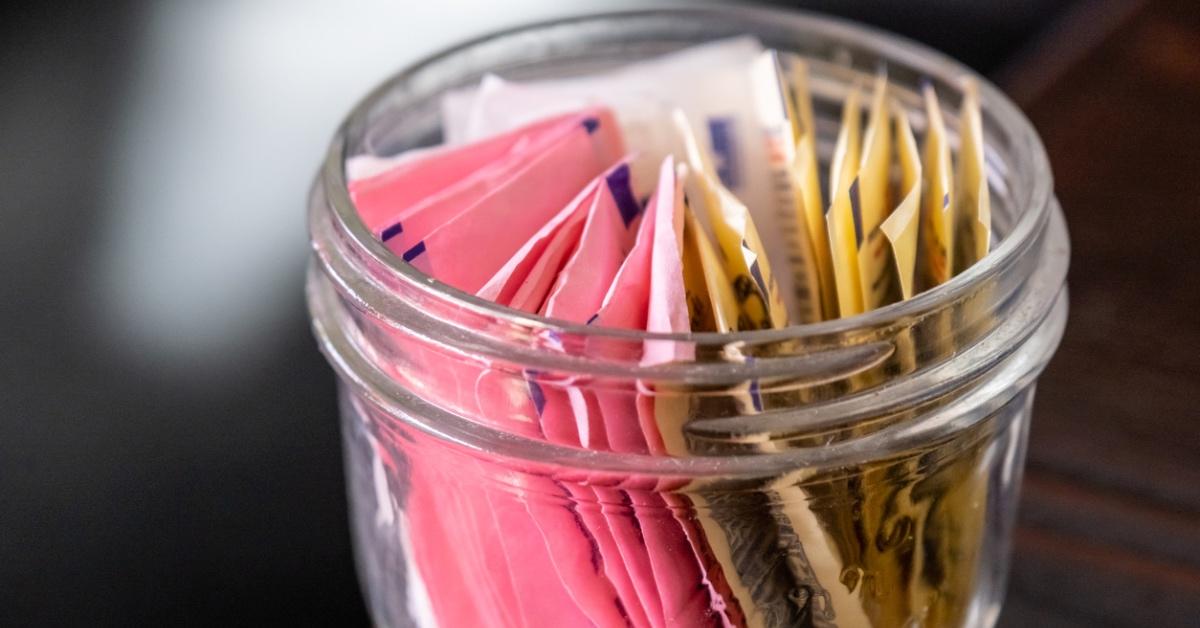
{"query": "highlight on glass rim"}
{"type": "Point", "coordinates": [682, 326]}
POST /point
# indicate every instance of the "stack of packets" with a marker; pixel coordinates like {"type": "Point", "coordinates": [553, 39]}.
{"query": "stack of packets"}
{"type": "Point", "coordinates": [679, 194]}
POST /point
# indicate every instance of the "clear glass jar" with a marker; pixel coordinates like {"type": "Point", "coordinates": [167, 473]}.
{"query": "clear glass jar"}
{"type": "Point", "coordinates": [878, 487]}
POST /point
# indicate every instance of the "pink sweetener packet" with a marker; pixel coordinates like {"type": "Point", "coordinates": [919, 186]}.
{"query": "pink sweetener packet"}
{"type": "Point", "coordinates": [628, 305]}
{"type": "Point", "coordinates": [467, 250]}
{"type": "Point", "coordinates": [541, 548]}
{"type": "Point", "coordinates": [675, 567]}
{"type": "Point", "coordinates": [447, 557]}
{"type": "Point", "coordinates": [534, 288]}
{"type": "Point", "coordinates": [679, 550]}
{"type": "Point", "coordinates": [449, 178]}
{"type": "Point", "coordinates": [522, 284]}
{"type": "Point", "coordinates": [483, 553]}
{"type": "Point", "coordinates": [585, 557]}
{"type": "Point", "coordinates": [624, 307]}
{"type": "Point", "coordinates": [503, 286]}
{"type": "Point", "coordinates": [667, 313]}
{"type": "Point", "coordinates": [607, 238]}
{"type": "Point", "coordinates": [579, 291]}
{"type": "Point", "coordinates": [571, 415]}
{"type": "Point", "coordinates": [506, 535]}
{"type": "Point", "coordinates": [459, 385]}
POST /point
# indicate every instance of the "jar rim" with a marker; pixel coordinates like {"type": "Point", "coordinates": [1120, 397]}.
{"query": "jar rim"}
{"type": "Point", "coordinates": [363, 272]}
{"type": "Point", "coordinates": [541, 456]}
{"type": "Point", "coordinates": [1033, 200]}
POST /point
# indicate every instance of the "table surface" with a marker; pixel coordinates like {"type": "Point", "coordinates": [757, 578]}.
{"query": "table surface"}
{"type": "Point", "coordinates": [1109, 528]}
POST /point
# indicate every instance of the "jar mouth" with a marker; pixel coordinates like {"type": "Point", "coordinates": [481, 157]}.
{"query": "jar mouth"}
{"type": "Point", "coordinates": [1007, 311]}
{"type": "Point", "coordinates": [1032, 200]}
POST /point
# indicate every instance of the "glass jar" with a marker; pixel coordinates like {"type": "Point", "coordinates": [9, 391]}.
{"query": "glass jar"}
{"type": "Point", "coordinates": [877, 486]}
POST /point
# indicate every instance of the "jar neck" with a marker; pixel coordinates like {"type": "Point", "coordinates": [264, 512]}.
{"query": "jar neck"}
{"type": "Point", "coordinates": [841, 380]}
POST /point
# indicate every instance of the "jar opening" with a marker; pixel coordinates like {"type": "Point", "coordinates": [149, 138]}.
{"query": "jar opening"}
{"type": "Point", "coordinates": [982, 321]}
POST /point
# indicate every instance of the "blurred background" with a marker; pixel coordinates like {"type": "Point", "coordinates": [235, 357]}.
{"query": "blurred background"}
{"type": "Point", "coordinates": [169, 449]}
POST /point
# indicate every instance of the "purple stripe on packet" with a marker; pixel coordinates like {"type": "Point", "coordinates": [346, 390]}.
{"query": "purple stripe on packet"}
{"type": "Point", "coordinates": [536, 394]}
{"type": "Point", "coordinates": [756, 396]}
{"type": "Point", "coordinates": [755, 393]}
{"type": "Point", "coordinates": [415, 251]}
{"type": "Point", "coordinates": [856, 211]}
{"type": "Point", "coordinates": [619, 185]}
{"type": "Point", "coordinates": [391, 232]}
{"type": "Point", "coordinates": [723, 138]}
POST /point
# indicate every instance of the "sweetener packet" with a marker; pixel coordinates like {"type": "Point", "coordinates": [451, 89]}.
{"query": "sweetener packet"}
{"type": "Point", "coordinates": [937, 207]}
{"type": "Point", "coordinates": [805, 181]}
{"type": "Point", "coordinates": [710, 300]}
{"type": "Point", "coordinates": [756, 583]}
{"type": "Point", "coordinates": [503, 286]}
{"type": "Point", "coordinates": [759, 296]}
{"type": "Point", "coordinates": [418, 190]}
{"type": "Point", "coordinates": [901, 228]}
{"type": "Point", "coordinates": [843, 218]}
{"type": "Point", "coordinates": [578, 293]}
{"type": "Point", "coordinates": [493, 228]}
{"type": "Point", "coordinates": [973, 215]}
{"type": "Point", "coordinates": [648, 294]}
{"type": "Point", "coordinates": [876, 279]}
{"type": "Point", "coordinates": [607, 239]}
{"type": "Point", "coordinates": [531, 545]}
{"type": "Point", "coordinates": [875, 168]}
{"type": "Point", "coordinates": [767, 543]}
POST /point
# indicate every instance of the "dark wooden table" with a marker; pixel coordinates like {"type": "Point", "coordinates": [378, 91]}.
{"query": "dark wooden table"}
{"type": "Point", "coordinates": [1109, 531]}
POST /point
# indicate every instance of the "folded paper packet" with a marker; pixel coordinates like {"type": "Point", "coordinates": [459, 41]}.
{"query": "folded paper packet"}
{"type": "Point", "coordinates": [660, 197]}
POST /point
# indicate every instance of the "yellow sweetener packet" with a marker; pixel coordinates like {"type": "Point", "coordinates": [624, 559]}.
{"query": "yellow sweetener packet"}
{"type": "Point", "coordinates": [901, 230]}
{"type": "Point", "coordinates": [803, 123]}
{"type": "Point", "coordinates": [806, 181]}
{"type": "Point", "coordinates": [973, 217]}
{"type": "Point", "coordinates": [736, 525]}
{"type": "Point", "coordinates": [720, 291]}
{"type": "Point", "coordinates": [937, 217]}
{"type": "Point", "coordinates": [877, 278]}
{"type": "Point", "coordinates": [711, 303]}
{"type": "Point", "coordinates": [888, 259]}
{"type": "Point", "coordinates": [843, 218]}
{"type": "Point", "coordinates": [811, 207]}
{"type": "Point", "coordinates": [902, 226]}
{"type": "Point", "coordinates": [875, 168]}
{"type": "Point", "coordinates": [695, 288]}
{"type": "Point", "coordinates": [760, 303]}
